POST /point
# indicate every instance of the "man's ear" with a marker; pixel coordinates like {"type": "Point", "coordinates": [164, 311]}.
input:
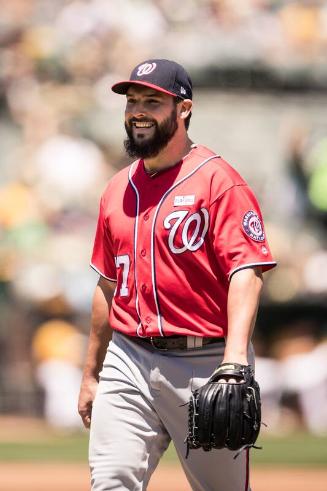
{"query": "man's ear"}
{"type": "Point", "coordinates": [185, 108]}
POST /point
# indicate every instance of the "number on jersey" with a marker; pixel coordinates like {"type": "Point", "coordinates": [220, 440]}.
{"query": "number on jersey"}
{"type": "Point", "coordinates": [124, 263]}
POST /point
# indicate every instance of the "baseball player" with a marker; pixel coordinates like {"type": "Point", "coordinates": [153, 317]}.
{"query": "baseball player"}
{"type": "Point", "coordinates": [180, 248]}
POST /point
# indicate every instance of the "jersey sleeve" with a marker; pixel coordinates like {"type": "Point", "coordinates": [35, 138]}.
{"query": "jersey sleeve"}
{"type": "Point", "coordinates": [238, 234]}
{"type": "Point", "coordinates": [103, 260]}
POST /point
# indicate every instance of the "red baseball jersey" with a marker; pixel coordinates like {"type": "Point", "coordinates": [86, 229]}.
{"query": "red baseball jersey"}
{"type": "Point", "coordinates": [172, 243]}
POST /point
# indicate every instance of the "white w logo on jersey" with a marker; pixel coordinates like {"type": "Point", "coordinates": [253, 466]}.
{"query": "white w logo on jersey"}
{"type": "Point", "coordinates": [191, 242]}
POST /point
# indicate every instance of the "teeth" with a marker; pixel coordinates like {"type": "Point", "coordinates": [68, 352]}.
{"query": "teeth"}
{"type": "Point", "coordinates": [143, 125]}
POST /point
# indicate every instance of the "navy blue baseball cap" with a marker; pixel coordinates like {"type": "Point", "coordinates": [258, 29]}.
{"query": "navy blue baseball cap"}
{"type": "Point", "coordinates": [163, 75]}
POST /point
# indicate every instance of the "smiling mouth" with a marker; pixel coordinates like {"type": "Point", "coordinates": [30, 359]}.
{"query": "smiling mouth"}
{"type": "Point", "coordinates": [142, 124]}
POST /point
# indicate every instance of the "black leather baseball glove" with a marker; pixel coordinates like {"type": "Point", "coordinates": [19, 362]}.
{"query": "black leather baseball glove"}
{"type": "Point", "coordinates": [225, 414]}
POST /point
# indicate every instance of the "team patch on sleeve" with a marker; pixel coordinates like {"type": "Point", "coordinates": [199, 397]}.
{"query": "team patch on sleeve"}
{"type": "Point", "coordinates": [253, 227]}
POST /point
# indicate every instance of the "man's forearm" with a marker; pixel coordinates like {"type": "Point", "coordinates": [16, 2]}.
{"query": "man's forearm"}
{"type": "Point", "coordinates": [243, 301]}
{"type": "Point", "coordinates": [101, 332]}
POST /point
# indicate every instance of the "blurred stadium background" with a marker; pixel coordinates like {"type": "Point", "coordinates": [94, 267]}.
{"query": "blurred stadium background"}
{"type": "Point", "coordinates": [260, 74]}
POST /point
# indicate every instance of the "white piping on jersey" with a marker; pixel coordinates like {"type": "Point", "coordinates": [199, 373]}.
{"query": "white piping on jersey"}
{"type": "Point", "coordinates": [101, 274]}
{"type": "Point", "coordinates": [152, 235]}
{"type": "Point", "coordinates": [250, 265]}
{"type": "Point", "coordinates": [135, 244]}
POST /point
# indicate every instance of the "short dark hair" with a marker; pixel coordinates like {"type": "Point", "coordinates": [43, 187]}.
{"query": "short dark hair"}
{"type": "Point", "coordinates": [186, 120]}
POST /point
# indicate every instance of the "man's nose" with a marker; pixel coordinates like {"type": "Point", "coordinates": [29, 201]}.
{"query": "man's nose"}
{"type": "Point", "coordinates": [138, 110]}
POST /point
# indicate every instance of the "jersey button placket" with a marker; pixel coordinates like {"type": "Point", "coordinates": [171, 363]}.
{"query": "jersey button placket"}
{"type": "Point", "coordinates": [146, 302]}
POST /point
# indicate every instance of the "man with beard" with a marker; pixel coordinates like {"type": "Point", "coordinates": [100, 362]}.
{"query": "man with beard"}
{"type": "Point", "coordinates": [180, 249]}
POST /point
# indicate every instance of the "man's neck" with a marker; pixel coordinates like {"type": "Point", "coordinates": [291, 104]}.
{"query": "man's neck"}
{"type": "Point", "coordinates": [169, 156]}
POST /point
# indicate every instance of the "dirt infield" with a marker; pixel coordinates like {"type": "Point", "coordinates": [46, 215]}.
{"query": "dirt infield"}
{"type": "Point", "coordinates": [75, 477]}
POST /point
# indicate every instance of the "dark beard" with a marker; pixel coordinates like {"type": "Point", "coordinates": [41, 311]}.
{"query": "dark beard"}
{"type": "Point", "coordinates": [151, 147]}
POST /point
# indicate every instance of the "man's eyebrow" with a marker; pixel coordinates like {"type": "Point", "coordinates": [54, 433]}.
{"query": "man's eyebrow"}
{"type": "Point", "coordinates": [153, 94]}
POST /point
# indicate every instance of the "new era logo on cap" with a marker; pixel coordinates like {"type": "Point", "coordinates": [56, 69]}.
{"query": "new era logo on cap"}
{"type": "Point", "coordinates": [163, 75]}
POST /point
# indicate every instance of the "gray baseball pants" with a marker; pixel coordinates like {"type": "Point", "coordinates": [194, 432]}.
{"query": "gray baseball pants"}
{"type": "Point", "coordinates": [140, 407]}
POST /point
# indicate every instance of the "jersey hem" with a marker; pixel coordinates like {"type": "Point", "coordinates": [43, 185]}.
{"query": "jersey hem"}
{"type": "Point", "coordinates": [251, 265]}
{"type": "Point", "coordinates": [101, 274]}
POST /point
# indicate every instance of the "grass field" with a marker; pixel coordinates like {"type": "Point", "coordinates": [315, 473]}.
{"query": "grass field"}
{"type": "Point", "coordinates": [31, 452]}
{"type": "Point", "coordinates": [296, 450]}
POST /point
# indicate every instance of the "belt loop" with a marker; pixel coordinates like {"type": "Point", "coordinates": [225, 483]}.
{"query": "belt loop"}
{"type": "Point", "coordinates": [194, 342]}
{"type": "Point", "coordinates": [190, 342]}
{"type": "Point", "coordinates": [198, 342]}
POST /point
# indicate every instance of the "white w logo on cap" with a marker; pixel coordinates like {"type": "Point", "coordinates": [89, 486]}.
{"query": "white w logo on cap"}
{"type": "Point", "coordinates": [145, 69]}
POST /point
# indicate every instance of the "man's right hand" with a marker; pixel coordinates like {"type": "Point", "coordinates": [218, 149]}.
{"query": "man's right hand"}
{"type": "Point", "coordinates": [86, 397]}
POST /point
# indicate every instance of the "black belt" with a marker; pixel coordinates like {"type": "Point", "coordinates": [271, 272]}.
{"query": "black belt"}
{"type": "Point", "coordinates": [179, 342]}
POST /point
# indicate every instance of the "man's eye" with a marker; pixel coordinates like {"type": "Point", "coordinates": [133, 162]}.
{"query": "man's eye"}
{"type": "Point", "coordinates": [153, 101]}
